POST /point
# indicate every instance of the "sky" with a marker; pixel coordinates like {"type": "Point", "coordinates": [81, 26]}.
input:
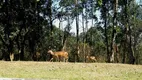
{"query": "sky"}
{"type": "Point", "coordinates": [139, 1]}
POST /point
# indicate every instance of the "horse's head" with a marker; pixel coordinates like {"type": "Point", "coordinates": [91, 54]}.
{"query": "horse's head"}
{"type": "Point", "coordinates": [50, 52]}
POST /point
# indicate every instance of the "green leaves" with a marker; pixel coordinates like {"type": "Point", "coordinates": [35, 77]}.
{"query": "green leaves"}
{"type": "Point", "coordinates": [99, 2]}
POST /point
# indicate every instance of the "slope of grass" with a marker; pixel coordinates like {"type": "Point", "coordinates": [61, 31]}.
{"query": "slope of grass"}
{"type": "Point", "coordinates": [70, 71]}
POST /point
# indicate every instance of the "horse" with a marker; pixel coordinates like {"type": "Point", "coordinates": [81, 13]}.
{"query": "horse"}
{"type": "Point", "coordinates": [91, 59]}
{"type": "Point", "coordinates": [59, 55]}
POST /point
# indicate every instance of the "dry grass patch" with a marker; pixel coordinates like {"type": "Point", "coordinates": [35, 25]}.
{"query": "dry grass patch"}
{"type": "Point", "coordinates": [70, 71]}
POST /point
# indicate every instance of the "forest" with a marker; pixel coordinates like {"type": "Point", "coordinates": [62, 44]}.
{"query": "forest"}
{"type": "Point", "coordinates": [110, 30]}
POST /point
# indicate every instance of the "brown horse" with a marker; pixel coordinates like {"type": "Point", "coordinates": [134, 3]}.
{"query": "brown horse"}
{"type": "Point", "coordinates": [91, 59]}
{"type": "Point", "coordinates": [36, 56]}
{"type": "Point", "coordinates": [58, 56]}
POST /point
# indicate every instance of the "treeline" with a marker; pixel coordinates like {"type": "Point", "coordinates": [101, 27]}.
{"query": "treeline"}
{"type": "Point", "coordinates": [27, 30]}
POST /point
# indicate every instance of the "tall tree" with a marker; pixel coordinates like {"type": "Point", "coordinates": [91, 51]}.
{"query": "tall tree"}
{"type": "Point", "coordinates": [77, 31]}
{"type": "Point", "coordinates": [104, 15]}
{"type": "Point", "coordinates": [113, 44]}
{"type": "Point", "coordinates": [128, 43]}
{"type": "Point", "coordinates": [83, 2]}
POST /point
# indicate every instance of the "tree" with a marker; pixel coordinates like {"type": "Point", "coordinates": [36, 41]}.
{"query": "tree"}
{"type": "Point", "coordinates": [18, 23]}
{"type": "Point", "coordinates": [113, 44]}
{"type": "Point", "coordinates": [104, 16]}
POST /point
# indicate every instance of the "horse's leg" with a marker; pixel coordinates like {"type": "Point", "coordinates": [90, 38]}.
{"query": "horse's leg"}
{"type": "Point", "coordinates": [61, 58]}
{"type": "Point", "coordinates": [51, 60]}
{"type": "Point", "coordinates": [57, 59]}
{"type": "Point", "coordinates": [64, 60]}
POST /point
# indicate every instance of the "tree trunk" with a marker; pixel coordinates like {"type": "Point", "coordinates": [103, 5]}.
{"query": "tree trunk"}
{"type": "Point", "coordinates": [131, 58]}
{"type": "Point", "coordinates": [61, 37]}
{"type": "Point", "coordinates": [105, 25]}
{"type": "Point", "coordinates": [113, 52]}
{"type": "Point", "coordinates": [124, 48]}
{"type": "Point", "coordinates": [22, 50]}
{"type": "Point", "coordinates": [84, 53]}
{"type": "Point", "coordinates": [10, 49]}
{"type": "Point", "coordinates": [77, 32]}
{"type": "Point", "coordinates": [51, 26]}
{"type": "Point", "coordinates": [130, 49]}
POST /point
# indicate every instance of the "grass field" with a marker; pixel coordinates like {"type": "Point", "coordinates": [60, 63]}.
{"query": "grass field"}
{"type": "Point", "coordinates": [70, 71]}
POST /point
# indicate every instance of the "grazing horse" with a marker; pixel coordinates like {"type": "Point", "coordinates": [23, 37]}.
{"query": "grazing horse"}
{"type": "Point", "coordinates": [91, 59]}
{"type": "Point", "coordinates": [36, 56]}
{"type": "Point", "coordinates": [59, 55]}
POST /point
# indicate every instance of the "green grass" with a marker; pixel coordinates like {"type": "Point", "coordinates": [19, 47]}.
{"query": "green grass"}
{"type": "Point", "coordinates": [70, 71]}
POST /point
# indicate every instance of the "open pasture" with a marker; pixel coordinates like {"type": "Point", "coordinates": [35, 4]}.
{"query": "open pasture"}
{"type": "Point", "coordinates": [69, 71]}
